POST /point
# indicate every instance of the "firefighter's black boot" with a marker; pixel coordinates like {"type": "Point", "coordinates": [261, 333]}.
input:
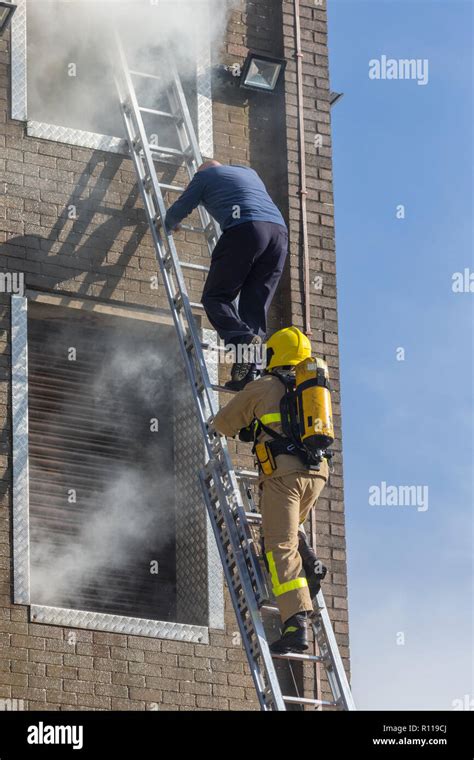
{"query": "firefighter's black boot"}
{"type": "Point", "coordinates": [314, 569]}
{"type": "Point", "coordinates": [243, 373]}
{"type": "Point", "coordinates": [294, 637]}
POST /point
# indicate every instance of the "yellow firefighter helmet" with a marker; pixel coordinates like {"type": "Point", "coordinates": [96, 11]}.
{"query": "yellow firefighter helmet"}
{"type": "Point", "coordinates": [287, 347]}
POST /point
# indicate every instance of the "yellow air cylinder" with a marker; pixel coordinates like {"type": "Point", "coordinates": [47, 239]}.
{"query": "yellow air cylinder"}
{"type": "Point", "coordinates": [314, 403]}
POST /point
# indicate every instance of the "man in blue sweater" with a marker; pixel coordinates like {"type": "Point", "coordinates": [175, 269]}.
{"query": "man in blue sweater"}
{"type": "Point", "coordinates": [247, 260]}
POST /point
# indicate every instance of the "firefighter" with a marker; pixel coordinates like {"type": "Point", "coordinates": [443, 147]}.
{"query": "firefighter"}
{"type": "Point", "coordinates": [287, 494]}
{"type": "Point", "coordinates": [247, 261]}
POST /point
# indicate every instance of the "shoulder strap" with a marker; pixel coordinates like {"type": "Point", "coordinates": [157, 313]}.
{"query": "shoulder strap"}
{"type": "Point", "coordinates": [288, 383]}
{"type": "Point", "coordinates": [269, 431]}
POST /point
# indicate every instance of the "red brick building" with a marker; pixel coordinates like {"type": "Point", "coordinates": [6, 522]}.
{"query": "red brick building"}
{"type": "Point", "coordinates": [111, 591]}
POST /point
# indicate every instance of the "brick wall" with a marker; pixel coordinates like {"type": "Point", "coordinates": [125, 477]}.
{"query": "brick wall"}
{"type": "Point", "coordinates": [106, 253]}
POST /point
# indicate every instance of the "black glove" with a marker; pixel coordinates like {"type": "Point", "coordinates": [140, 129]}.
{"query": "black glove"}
{"type": "Point", "coordinates": [246, 434]}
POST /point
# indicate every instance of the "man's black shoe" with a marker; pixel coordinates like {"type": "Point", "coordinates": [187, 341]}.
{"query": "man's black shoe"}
{"type": "Point", "coordinates": [238, 385]}
{"type": "Point", "coordinates": [244, 372]}
{"type": "Point", "coordinates": [294, 637]}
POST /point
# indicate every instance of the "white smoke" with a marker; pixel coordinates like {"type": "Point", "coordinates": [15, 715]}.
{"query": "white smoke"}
{"type": "Point", "coordinates": [146, 376]}
{"type": "Point", "coordinates": [128, 511]}
{"type": "Point", "coordinates": [71, 52]}
{"type": "Point", "coordinates": [106, 539]}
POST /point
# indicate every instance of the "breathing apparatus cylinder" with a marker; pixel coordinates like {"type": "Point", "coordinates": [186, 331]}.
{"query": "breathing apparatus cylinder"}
{"type": "Point", "coordinates": [314, 408]}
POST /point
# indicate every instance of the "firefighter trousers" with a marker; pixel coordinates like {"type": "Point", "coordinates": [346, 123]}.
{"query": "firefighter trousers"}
{"type": "Point", "coordinates": [285, 504]}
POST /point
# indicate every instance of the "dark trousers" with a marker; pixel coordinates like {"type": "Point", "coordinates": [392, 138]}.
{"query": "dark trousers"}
{"type": "Point", "coordinates": [248, 260]}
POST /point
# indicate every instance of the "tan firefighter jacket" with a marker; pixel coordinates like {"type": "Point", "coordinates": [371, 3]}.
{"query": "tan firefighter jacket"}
{"type": "Point", "coordinates": [260, 400]}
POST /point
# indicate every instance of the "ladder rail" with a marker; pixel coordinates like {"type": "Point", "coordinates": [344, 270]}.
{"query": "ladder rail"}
{"type": "Point", "coordinates": [186, 134]}
{"type": "Point", "coordinates": [146, 170]}
{"type": "Point", "coordinates": [255, 642]}
{"type": "Point", "coordinates": [246, 539]}
{"type": "Point", "coordinates": [336, 673]}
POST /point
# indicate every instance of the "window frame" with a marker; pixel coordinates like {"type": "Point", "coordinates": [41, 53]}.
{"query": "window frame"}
{"type": "Point", "coordinates": [21, 542]}
{"type": "Point", "coordinates": [93, 140]}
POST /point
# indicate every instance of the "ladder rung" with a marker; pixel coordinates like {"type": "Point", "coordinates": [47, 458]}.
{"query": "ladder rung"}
{"type": "Point", "coordinates": [178, 304]}
{"type": "Point", "coordinates": [166, 151]}
{"type": "Point", "coordinates": [314, 616]}
{"type": "Point", "coordinates": [222, 389]}
{"type": "Point", "coordinates": [173, 188]}
{"type": "Point", "coordinates": [248, 474]}
{"type": "Point", "coordinates": [199, 267]}
{"type": "Point", "coordinates": [153, 111]}
{"type": "Point", "coordinates": [191, 228]}
{"type": "Point", "coordinates": [296, 656]}
{"type": "Point", "coordinates": [253, 517]}
{"type": "Point", "coordinates": [305, 701]}
{"type": "Point", "coordinates": [270, 608]}
{"type": "Point", "coordinates": [214, 346]}
{"type": "Point", "coordinates": [142, 74]}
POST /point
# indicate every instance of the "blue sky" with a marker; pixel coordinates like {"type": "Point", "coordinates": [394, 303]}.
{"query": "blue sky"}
{"type": "Point", "coordinates": [406, 422]}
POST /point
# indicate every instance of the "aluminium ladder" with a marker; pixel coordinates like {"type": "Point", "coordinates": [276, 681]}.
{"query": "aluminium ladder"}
{"type": "Point", "coordinates": [230, 509]}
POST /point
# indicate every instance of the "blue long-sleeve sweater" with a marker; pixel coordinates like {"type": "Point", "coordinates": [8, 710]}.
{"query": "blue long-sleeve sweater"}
{"type": "Point", "coordinates": [231, 194]}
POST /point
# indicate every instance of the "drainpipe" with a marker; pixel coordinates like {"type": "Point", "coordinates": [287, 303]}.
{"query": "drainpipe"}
{"type": "Point", "coordinates": [303, 188]}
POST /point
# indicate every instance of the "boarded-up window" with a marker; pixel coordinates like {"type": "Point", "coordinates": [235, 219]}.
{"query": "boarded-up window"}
{"type": "Point", "coordinates": [114, 514]}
